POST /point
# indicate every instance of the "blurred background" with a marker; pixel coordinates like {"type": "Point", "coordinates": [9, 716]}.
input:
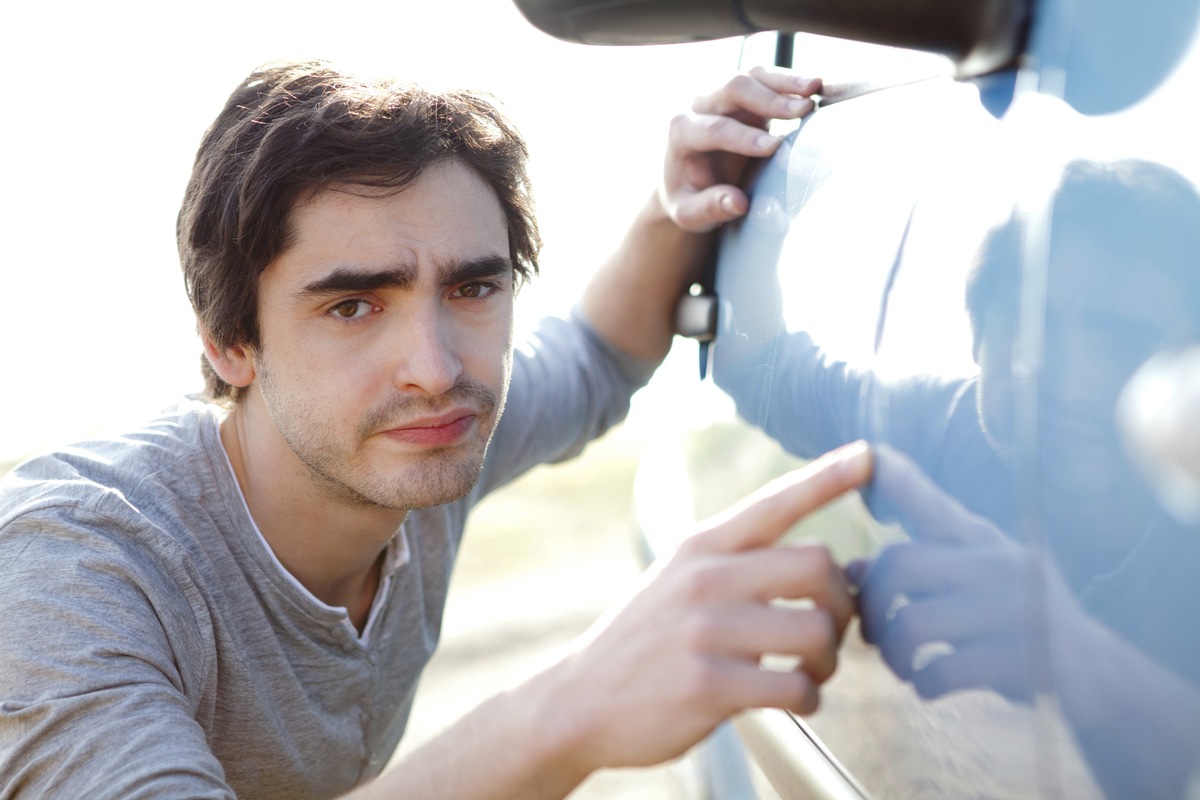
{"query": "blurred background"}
{"type": "Point", "coordinates": [106, 103]}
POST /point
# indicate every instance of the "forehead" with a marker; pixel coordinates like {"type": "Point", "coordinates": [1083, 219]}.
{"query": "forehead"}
{"type": "Point", "coordinates": [448, 214]}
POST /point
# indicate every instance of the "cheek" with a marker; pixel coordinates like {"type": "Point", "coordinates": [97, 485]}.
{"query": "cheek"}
{"type": "Point", "coordinates": [486, 349]}
{"type": "Point", "coordinates": [507, 376]}
{"type": "Point", "coordinates": [996, 408]}
{"type": "Point", "coordinates": [996, 399]}
{"type": "Point", "coordinates": [318, 384]}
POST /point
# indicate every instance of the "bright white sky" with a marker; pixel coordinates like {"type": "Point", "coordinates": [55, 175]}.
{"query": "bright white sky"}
{"type": "Point", "coordinates": [104, 104]}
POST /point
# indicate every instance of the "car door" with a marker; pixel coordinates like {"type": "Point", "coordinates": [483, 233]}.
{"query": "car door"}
{"type": "Point", "coordinates": [988, 271]}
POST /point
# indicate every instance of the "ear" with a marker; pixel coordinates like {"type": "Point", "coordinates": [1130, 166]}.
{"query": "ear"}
{"type": "Point", "coordinates": [235, 365]}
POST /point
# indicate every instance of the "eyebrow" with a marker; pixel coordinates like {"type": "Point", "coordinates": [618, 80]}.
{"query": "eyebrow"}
{"type": "Point", "coordinates": [475, 269]}
{"type": "Point", "coordinates": [349, 279]}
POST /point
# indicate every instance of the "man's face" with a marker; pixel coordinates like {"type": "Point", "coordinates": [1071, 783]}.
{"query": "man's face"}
{"type": "Point", "coordinates": [386, 339]}
{"type": "Point", "coordinates": [1103, 319]}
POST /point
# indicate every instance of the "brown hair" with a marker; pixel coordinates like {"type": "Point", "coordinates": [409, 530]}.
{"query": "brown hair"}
{"type": "Point", "coordinates": [292, 130]}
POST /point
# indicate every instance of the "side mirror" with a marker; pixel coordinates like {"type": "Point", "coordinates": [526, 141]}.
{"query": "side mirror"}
{"type": "Point", "coordinates": [981, 36]}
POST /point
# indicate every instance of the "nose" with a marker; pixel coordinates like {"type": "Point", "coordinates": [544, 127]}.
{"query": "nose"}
{"type": "Point", "coordinates": [426, 354]}
{"type": "Point", "coordinates": [1082, 374]}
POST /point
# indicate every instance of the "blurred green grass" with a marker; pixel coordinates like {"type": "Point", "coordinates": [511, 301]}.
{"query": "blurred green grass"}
{"type": "Point", "coordinates": [553, 512]}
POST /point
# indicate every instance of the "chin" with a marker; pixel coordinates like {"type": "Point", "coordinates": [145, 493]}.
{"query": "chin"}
{"type": "Point", "coordinates": [425, 485]}
{"type": "Point", "coordinates": [1000, 443]}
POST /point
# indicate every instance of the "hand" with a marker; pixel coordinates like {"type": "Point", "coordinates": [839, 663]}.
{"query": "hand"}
{"type": "Point", "coordinates": [684, 653]}
{"type": "Point", "coordinates": [949, 610]}
{"type": "Point", "coordinates": [964, 586]}
{"type": "Point", "coordinates": [709, 149]}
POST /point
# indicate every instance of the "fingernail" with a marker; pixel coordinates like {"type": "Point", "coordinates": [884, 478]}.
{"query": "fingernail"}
{"type": "Point", "coordinates": [799, 106]}
{"type": "Point", "coordinates": [855, 456]}
{"type": "Point", "coordinates": [728, 204]}
{"type": "Point", "coordinates": [852, 450]}
{"type": "Point", "coordinates": [766, 141]}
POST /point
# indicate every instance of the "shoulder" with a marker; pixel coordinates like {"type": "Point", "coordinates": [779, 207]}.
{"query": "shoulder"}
{"type": "Point", "coordinates": [106, 474]}
{"type": "Point", "coordinates": [114, 509]}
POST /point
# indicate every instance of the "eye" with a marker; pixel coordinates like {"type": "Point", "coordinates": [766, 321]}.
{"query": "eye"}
{"type": "Point", "coordinates": [474, 291]}
{"type": "Point", "coordinates": [352, 309]}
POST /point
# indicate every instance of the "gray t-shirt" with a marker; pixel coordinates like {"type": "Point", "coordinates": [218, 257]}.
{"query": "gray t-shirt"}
{"type": "Point", "coordinates": [152, 645]}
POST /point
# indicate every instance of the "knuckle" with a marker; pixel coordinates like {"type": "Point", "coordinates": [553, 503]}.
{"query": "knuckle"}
{"type": "Point", "coordinates": [691, 547]}
{"type": "Point", "coordinates": [817, 561]}
{"type": "Point", "coordinates": [700, 682]}
{"type": "Point", "coordinates": [699, 580]}
{"type": "Point", "coordinates": [821, 642]}
{"type": "Point", "coordinates": [824, 630]}
{"type": "Point", "coordinates": [746, 80]}
{"type": "Point", "coordinates": [697, 173]}
{"type": "Point", "coordinates": [711, 126]}
{"type": "Point", "coordinates": [823, 561]}
{"type": "Point", "coordinates": [678, 125]}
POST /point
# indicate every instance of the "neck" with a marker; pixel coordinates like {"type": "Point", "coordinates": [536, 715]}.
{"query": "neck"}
{"type": "Point", "coordinates": [332, 547]}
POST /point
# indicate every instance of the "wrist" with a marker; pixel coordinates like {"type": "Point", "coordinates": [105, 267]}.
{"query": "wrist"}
{"type": "Point", "coordinates": [557, 729]}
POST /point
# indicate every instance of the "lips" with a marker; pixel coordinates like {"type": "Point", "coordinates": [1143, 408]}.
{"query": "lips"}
{"type": "Point", "coordinates": [440, 431]}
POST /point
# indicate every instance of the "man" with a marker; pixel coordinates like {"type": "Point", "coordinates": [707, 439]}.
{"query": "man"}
{"type": "Point", "coordinates": [240, 597]}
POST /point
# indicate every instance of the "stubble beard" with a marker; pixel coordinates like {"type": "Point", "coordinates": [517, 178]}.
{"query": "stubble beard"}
{"type": "Point", "coordinates": [432, 477]}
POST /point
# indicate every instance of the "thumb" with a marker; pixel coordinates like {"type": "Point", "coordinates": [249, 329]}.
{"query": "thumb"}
{"type": "Point", "coordinates": [699, 212]}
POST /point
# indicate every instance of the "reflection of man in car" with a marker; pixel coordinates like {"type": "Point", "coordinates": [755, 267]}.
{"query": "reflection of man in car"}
{"type": "Point", "coordinates": [1121, 284]}
{"type": "Point", "coordinates": [963, 605]}
{"type": "Point", "coordinates": [952, 608]}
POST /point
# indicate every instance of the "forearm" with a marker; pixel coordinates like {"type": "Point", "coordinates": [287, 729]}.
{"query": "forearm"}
{"type": "Point", "coordinates": [631, 300]}
{"type": "Point", "coordinates": [515, 745]}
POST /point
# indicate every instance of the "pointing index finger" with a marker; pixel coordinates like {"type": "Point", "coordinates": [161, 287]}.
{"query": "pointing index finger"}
{"type": "Point", "coordinates": [763, 517]}
{"type": "Point", "coordinates": [901, 491]}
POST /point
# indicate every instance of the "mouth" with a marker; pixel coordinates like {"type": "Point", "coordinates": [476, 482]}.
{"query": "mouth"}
{"type": "Point", "coordinates": [442, 430]}
{"type": "Point", "coordinates": [1079, 440]}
